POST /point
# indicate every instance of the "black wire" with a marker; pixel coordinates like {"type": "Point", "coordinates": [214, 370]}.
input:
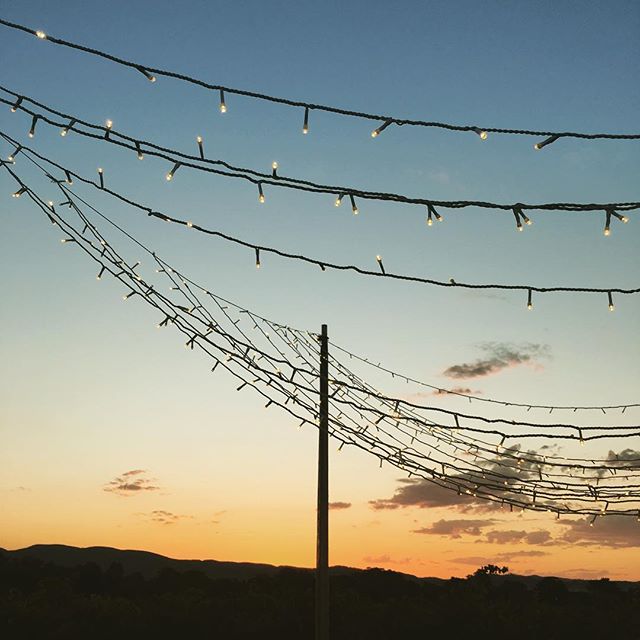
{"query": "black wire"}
{"type": "Point", "coordinates": [320, 107]}
{"type": "Point", "coordinates": [321, 263]}
{"type": "Point", "coordinates": [259, 178]}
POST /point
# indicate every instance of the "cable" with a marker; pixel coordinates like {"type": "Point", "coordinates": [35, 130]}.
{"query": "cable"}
{"type": "Point", "coordinates": [151, 74]}
{"type": "Point", "coordinates": [595, 495]}
{"type": "Point", "coordinates": [323, 264]}
{"type": "Point", "coordinates": [178, 159]}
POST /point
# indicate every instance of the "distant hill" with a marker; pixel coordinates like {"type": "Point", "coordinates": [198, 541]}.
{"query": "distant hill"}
{"type": "Point", "coordinates": [149, 564]}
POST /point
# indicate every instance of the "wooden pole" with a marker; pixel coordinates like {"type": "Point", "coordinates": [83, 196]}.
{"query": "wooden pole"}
{"type": "Point", "coordinates": [322, 548]}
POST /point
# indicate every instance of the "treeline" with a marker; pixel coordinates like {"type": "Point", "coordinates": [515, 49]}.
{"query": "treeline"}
{"type": "Point", "coordinates": [41, 600]}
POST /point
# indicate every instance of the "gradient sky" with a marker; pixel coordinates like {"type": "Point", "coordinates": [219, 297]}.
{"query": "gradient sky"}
{"type": "Point", "coordinates": [89, 390]}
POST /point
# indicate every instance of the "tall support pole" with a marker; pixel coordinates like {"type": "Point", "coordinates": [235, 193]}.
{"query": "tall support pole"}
{"type": "Point", "coordinates": [322, 548]}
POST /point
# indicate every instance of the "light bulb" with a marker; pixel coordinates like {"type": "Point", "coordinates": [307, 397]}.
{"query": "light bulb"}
{"type": "Point", "coordinates": [540, 145]}
{"type": "Point", "coordinates": [305, 125]}
{"type": "Point", "coordinates": [108, 124]}
{"type": "Point", "coordinates": [376, 132]}
{"type": "Point", "coordinates": [200, 147]}
{"type": "Point", "coordinates": [189, 224]}
{"type": "Point", "coordinates": [338, 201]}
{"type": "Point", "coordinates": [16, 104]}
{"type": "Point", "coordinates": [480, 132]}
{"type": "Point", "coordinates": [171, 173]}
{"type": "Point", "coordinates": [150, 77]}
{"type": "Point", "coordinates": [41, 34]}
{"type": "Point", "coordinates": [34, 122]}
{"type": "Point", "coordinates": [260, 194]}
{"type": "Point", "coordinates": [223, 106]}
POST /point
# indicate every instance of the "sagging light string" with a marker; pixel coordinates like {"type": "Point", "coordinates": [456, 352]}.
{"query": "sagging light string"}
{"type": "Point", "coordinates": [152, 73]}
{"type": "Point", "coordinates": [478, 491]}
{"type": "Point", "coordinates": [458, 414]}
{"type": "Point", "coordinates": [567, 463]}
{"type": "Point", "coordinates": [551, 408]}
{"type": "Point", "coordinates": [274, 179]}
{"type": "Point", "coordinates": [323, 264]}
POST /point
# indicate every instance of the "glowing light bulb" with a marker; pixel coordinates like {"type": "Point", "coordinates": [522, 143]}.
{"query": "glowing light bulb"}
{"type": "Point", "coordinates": [16, 104]}
{"type": "Point", "coordinates": [305, 125]}
{"type": "Point", "coordinates": [376, 132]}
{"type": "Point", "coordinates": [338, 201]}
{"type": "Point", "coordinates": [150, 77]}
{"type": "Point", "coordinates": [200, 147]}
{"type": "Point", "coordinates": [171, 173]}
{"type": "Point", "coordinates": [139, 151]}
{"type": "Point", "coordinates": [65, 129]}
{"type": "Point", "coordinates": [429, 220]}
{"type": "Point", "coordinates": [189, 224]}
{"type": "Point", "coordinates": [34, 122]}
{"type": "Point", "coordinates": [257, 258]}
{"type": "Point", "coordinates": [354, 207]}
{"type": "Point", "coordinates": [108, 124]}
{"type": "Point", "coordinates": [18, 193]}
{"type": "Point", "coordinates": [482, 134]}
{"type": "Point", "coordinates": [260, 194]}
{"type": "Point", "coordinates": [540, 145]}
{"type": "Point", "coordinates": [610, 297]}
{"type": "Point", "coordinates": [41, 35]}
{"type": "Point", "coordinates": [101, 176]}
{"type": "Point", "coordinates": [223, 106]}
{"type": "Point", "coordinates": [529, 301]}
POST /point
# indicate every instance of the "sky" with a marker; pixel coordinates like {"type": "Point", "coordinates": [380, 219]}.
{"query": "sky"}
{"type": "Point", "coordinates": [93, 398]}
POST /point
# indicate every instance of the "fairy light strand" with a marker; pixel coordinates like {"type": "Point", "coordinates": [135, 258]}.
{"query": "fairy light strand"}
{"type": "Point", "coordinates": [151, 73]}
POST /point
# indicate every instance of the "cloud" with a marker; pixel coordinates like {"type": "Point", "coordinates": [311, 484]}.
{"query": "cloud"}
{"type": "Point", "coordinates": [476, 560]}
{"type": "Point", "coordinates": [512, 555]}
{"type": "Point", "coordinates": [421, 493]}
{"type": "Point", "coordinates": [338, 506]}
{"type": "Point", "coordinates": [166, 517]}
{"type": "Point", "coordinates": [500, 355]}
{"type": "Point", "coordinates": [607, 531]}
{"type": "Point", "coordinates": [386, 559]}
{"type": "Point", "coordinates": [456, 528]}
{"type": "Point", "coordinates": [425, 493]}
{"type": "Point", "coordinates": [514, 537]}
{"type": "Point", "coordinates": [620, 460]}
{"type": "Point", "coordinates": [131, 483]}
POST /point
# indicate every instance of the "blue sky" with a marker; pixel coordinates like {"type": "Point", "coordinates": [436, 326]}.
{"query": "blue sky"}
{"type": "Point", "coordinates": [100, 374]}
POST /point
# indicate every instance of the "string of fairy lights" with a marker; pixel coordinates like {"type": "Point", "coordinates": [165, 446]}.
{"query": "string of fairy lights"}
{"type": "Point", "coordinates": [177, 160]}
{"type": "Point", "coordinates": [479, 457]}
{"type": "Point", "coordinates": [384, 122]}
{"type": "Point", "coordinates": [258, 249]}
{"type": "Point", "coordinates": [393, 430]}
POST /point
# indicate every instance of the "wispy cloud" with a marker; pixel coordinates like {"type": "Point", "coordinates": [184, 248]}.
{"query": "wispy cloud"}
{"type": "Point", "coordinates": [339, 505]}
{"type": "Point", "coordinates": [456, 528]}
{"type": "Point", "coordinates": [422, 493]}
{"type": "Point", "coordinates": [608, 531]}
{"type": "Point", "coordinates": [499, 356]}
{"type": "Point", "coordinates": [540, 537]}
{"type": "Point", "coordinates": [166, 517]}
{"type": "Point", "coordinates": [131, 483]}
{"type": "Point", "coordinates": [386, 559]}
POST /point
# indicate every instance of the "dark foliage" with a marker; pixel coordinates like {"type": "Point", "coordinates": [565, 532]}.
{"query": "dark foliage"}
{"type": "Point", "coordinates": [44, 600]}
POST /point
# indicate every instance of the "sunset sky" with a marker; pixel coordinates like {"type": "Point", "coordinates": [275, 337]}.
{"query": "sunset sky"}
{"type": "Point", "coordinates": [114, 434]}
